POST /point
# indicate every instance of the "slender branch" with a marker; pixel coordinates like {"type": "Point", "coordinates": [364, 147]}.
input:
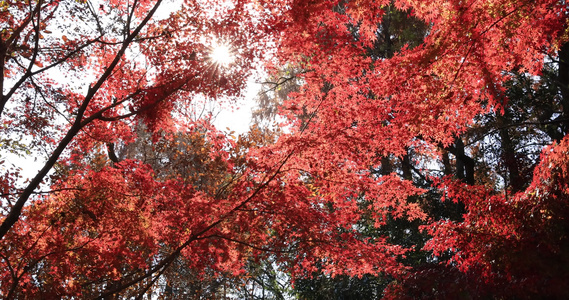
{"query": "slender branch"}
{"type": "Point", "coordinates": [31, 265]}
{"type": "Point", "coordinates": [96, 17]}
{"type": "Point", "coordinates": [129, 18]}
{"type": "Point", "coordinates": [12, 291]}
{"type": "Point", "coordinates": [5, 46]}
{"type": "Point", "coordinates": [248, 245]}
{"type": "Point", "coordinates": [43, 192]}
{"type": "Point", "coordinates": [486, 133]}
{"type": "Point", "coordinates": [481, 34]}
{"type": "Point", "coordinates": [152, 282]}
{"type": "Point", "coordinates": [9, 265]}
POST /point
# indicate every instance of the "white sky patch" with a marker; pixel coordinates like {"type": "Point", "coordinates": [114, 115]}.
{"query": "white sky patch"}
{"type": "Point", "coordinates": [238, 118]}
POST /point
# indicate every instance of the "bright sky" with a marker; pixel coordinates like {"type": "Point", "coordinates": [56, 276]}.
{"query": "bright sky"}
{"type": "Point", "coordinates": [238, 119]}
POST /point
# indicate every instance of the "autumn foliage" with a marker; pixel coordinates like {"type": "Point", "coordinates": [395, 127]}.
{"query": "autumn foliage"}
{"type": "Point", "coordinates": [383, 137]}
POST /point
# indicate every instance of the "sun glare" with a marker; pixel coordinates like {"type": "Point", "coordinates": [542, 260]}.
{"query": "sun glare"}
{"type": "Point", "coordinates": [221, 54]}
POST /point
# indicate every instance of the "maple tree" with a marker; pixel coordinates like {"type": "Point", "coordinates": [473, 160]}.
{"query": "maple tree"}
{"type": "Point", "coordinates": [389, 113]}
{"type": "Point", "coordinates": [382, 90]}
{"type": "Point", "coordinates": [78, 78]}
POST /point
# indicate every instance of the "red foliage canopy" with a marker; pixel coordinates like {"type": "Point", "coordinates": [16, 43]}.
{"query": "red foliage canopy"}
{"type": "Point", "coordinates": [115, 227]}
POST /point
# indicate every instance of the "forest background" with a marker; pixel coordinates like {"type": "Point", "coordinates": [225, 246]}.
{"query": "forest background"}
{"type": "Point", "coordinates": [401, 149]}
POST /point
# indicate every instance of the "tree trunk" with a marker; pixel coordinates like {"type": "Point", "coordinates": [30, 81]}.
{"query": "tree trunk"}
{"type": "Point", "coordinates": [509, 156]}
{"type": "Point", "coordinates": [563, 81]}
